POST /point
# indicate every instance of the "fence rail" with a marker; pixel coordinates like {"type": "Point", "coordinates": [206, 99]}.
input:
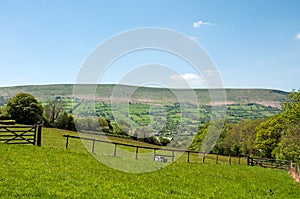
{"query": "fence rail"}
{"type": "Point", "coordinates": [23, 134]}
{"type": "Point", "coordinates": [159, 153]}
{"type": "Point", "coordinates": [269, 163]}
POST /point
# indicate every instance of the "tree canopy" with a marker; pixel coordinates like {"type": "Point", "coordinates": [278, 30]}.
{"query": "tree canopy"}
{"type": "Point", "coordinates": [24, 108]}
{"type": "Point", "coordinates": [275, 137]}
{"type": "Point", "coordinates": [279, 136]}
{"type": "Point", "coordinates": [53, 109]}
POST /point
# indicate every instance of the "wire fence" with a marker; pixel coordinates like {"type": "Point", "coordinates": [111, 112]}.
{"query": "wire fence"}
{"type": "Point", "coordinates": [160, 154]}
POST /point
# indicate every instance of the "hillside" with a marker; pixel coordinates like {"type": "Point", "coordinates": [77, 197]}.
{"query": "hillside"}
{"type": "Point", "coordinates": [266, 97]}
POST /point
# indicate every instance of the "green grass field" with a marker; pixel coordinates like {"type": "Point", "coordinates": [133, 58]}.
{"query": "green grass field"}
{"type": "Point", "coordinates": [54, 138]}
{"type": "Point", "coordinates": [51, 171]}
{"type": "Point", "coordinates": [32, 172]}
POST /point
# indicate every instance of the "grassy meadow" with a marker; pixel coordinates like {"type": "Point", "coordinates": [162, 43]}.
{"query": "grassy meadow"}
{"type": "Point", "coordinates": [51, 171]}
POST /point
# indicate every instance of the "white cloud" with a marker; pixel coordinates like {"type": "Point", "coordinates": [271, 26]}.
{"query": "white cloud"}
{"type": "Point", "coordinates": [187, 79]}
{"type": "Point", "coordinates": [199, 23]}
{"type": "Point", "coordinates": [298, 36]}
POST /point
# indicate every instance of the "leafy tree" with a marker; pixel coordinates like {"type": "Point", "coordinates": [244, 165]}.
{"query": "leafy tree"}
{"type": "Point", "coordinates": [105, 125]}
{"type": "Point", "coordinates": [25, 108]}
{"type": "Point", "coordinates": [87, 123]}
{"type": "Point", "coordinates": [3, 113]}
{"type": "Point", "coordinates": [212, 135]}
{"type": "Point", "coordinates": [291, 108]}
{"type": "Point", "coordinates": [164, 141]}
{"type": "Point", "coordinates": [268, 136]}
{"type": "Point", "coordinates": [238, 138]}
{"type": "Point", "coordinates": [207, 135]}
{"type": "Point", "coordinates": [65, 121]}
{"type": "Point", "coordinates": [53, 109]}
{"type": "Point", "coordinates": [199, 137]}
{"type": "Point", "coordinates": [236, 149]}
{"type": "Point", "coordinates": [289, 146]}
{"type": "Point", "coordinates": [279, 136]}
{"type": "Point", "coordinates": [122, 127]}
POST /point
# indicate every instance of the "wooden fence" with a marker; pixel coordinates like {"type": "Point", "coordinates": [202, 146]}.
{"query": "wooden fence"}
{"type": "Point", "coordinates": [25, 134]}
{"type": "Point", "coordinates": [163, 154]}
{"type": "Point", "coordinates": [268, 163]}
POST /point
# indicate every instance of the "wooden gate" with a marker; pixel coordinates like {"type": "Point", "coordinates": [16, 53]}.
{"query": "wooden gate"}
{"type": "Point", "coordinates": [269, 163]}
{"type": "Point", "coordinates": [25, 134]}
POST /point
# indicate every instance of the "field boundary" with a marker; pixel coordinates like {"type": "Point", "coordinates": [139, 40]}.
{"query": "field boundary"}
{"type": "Point", "coordinates": [269, 163]}
{"type": "Point", "coordinates": [156, 156]}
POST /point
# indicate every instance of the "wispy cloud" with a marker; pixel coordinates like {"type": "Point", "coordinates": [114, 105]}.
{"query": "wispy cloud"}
{"type": "Point", "coordinates": [297, 36]}
{"type": "Point", "coordinates": [188, 78]}
{"type": "Point", "coordinates": [199, 23]}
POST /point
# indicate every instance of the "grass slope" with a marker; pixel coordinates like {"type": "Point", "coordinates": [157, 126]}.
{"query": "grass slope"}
{"type": "Point", "coordinates": [53, 172]}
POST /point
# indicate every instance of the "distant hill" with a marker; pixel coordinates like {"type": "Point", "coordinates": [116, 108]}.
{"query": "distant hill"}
{"type": "Point", "coordinates": [266, 97]}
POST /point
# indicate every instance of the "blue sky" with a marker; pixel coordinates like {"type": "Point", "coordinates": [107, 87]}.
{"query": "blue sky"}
{"type": "Point", "coordinates": [254, 44]}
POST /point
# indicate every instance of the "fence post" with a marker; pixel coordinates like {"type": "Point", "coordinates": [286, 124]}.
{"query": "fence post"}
{"type": "Point", "coordinates": [136, 152]}
{"type": "Point", "coordinates": [154, 154]}
{"type": "Point", "coordinates": [67, 141]}
{"type": "Point", "coordinates": [217, 158]}
{"type": "Point", "coordinates": [188, 156]}
{"type": "Point", "coordinates": [93, 146]}
{"type": "Point", "coordinates": [239, 159]}
{"type": "Point", "coordinates": [203, 158]}
{"type": "Point", "coordinates": [115, 150]}
{"type": "Point", "coordinates": [39, 134]}
{"type": "Point", "coordinates": [229, 160]}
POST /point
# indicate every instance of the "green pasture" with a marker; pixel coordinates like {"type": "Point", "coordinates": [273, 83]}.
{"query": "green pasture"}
{"type": "Point", "coordinates": [51, 172]}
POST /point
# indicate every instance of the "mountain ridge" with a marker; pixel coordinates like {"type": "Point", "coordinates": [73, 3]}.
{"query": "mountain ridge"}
{"type": "Point", "coordinates": [104, 92]}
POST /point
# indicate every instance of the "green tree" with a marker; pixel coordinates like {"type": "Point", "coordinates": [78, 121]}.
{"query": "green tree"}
{"type": "Point", "coordinates": [238, 138]}
{"type": "Point", "coordinates": [199, 137]}
{"type": "Point", "coordinates": [122, 128]}
{"type": "Point", "coordinates": [3, 113]}
{"type": "Point", "coordinates": [279, 135]}
{"type": "Point", "coordinates": [268, 135]}
{"type": "Point", "coordinates": [87, 123]}
{"type": "Point", "coordinates": [53, 109]}
{"type": "Point", "coordinates": [24, 108]}
{"type": "Point", "coordinates": [291, 108]}
{"type": "Point", "coordinates": [65, 121]}
{"type": "Point", "coordinates": [289, 145]}
{"type": "Point", "coordinates": [105, 125]}
{"type": "Point", "coordinates": [207, 136]}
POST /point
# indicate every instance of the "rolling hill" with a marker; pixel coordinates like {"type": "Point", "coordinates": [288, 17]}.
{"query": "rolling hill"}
{"type": "Point", "coordinates": [266, 97]}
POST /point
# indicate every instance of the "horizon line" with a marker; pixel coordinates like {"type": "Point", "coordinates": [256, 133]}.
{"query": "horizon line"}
{"type": "Point", "coordinates": [145, 86]}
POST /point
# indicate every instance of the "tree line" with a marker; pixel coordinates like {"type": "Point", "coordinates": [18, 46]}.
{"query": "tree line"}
{"type": "Point", "coordinates": [275, 137]}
